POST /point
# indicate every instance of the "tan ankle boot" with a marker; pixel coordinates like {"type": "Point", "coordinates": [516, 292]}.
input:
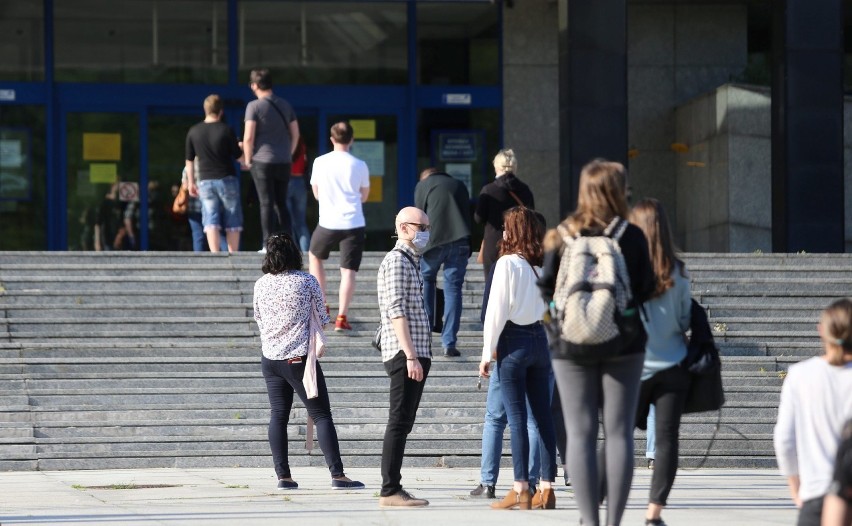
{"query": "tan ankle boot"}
{"type": "Point", "coordinates": [513, 500]}
{"type": "Point", "coordinates": [544, 499]}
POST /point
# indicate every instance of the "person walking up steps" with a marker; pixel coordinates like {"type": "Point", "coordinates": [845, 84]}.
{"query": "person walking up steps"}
{"type": "Point", "coordinates": [341, 183]}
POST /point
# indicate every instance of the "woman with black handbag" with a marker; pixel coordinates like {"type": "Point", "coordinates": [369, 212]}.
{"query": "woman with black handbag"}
{"type": "Point", "coordinates": [665, 382]}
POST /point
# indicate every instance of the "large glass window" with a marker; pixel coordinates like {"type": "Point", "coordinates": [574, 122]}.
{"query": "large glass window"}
{"type": "Point", "coordinates": [141, 41]}
{"type": "Point", "coordinates": [21, 40]}
{"type": "Point", "coordinates": [313, 42]}
{"type": "Point", "coordinates": [22, 178]}
{"type": "Point", "coordinates": [457, 43]}
{"type": "Point", "coordinates": [103, 181]}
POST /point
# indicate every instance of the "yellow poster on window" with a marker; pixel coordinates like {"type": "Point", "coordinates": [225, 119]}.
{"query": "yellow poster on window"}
{"type": "Point", "coordinates": [103, 173]}
{"type": "Point", "coordinates": [363, 129]}
{"type": "Point", "coordinates": [101, 146]}
{"type": "Point", "coordinates": [375, 195]}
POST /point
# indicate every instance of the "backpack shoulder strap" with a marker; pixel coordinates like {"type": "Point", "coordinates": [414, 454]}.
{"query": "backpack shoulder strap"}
{"type": "Point", "coordinates": [616, 228]}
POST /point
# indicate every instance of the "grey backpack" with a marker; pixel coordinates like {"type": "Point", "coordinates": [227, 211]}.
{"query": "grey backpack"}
{"type": "Point", "coordinates": [591, 303]}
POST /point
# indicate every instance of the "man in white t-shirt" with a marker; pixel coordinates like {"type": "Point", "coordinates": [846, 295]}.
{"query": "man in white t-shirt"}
{"type": "Point", "coordinates": [341, 183]}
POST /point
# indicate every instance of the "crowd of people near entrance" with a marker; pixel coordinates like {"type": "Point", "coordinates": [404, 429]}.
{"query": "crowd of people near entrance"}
{"type": "Point", "coordinates": [588, 325]}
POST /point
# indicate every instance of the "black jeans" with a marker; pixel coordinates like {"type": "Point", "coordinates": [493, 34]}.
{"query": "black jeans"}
{"type": "Point", "coordinates": [667, 391]}
{"type": "Point", "coordinates": [405, 396]}
{"type": "Point", "coordinates": [272, 182]}
{"type": "Point", "coordinates": [282, 380]}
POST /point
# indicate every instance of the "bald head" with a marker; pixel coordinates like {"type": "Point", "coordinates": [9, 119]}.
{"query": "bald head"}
{"type": "Point", "coordinates": [407, 223]}
{"type": "Point", "coordinates": [411, 214]}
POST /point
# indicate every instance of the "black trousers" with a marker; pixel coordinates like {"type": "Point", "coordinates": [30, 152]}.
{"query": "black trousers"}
{"type": "Point", "coordinates": [405, 396]}
{"type": "Point", "coordinates": [282, 380]}
{"type": "Point", "coordinates": [667, 390]}
{"type": "Point", "coordinates": [272, 182]}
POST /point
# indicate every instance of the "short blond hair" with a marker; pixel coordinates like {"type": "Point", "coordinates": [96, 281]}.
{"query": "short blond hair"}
{"type": "Point", "coordinates": [505, 161]}
{"type": "Point", "coordinates": [213, 105]}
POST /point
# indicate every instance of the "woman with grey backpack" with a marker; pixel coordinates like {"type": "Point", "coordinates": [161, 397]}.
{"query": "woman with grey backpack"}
{"type": "Point", "coordinates": [597, 273]}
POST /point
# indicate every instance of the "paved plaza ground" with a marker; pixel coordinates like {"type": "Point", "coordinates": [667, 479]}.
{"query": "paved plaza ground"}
{"type": "Point", "coordinates": [207, 496]}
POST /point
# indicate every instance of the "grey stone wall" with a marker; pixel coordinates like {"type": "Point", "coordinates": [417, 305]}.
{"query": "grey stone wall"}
{"type": "Point", "coordinates": [724, 179]}
{"type": "Point", "coordinates": [675, 52]}
{"type": "Point", "coordinates": [531, 99]}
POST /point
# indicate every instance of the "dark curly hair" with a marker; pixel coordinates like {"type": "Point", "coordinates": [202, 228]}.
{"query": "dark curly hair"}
{"type": "Point", "coordinates": [282, 254]}
{"type": "Point", "coordinates": [524, 230]}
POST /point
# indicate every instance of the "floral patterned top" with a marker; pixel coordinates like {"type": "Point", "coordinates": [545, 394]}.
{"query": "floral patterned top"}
{"type": "Point", "coordinates": [282, 309]}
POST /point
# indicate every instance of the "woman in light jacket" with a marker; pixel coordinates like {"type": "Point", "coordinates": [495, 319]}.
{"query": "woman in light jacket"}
{"type": "Point", "coordinates": [666, 318]}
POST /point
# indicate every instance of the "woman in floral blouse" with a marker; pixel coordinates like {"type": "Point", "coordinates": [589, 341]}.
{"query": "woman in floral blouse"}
{"type": "Point", "coordinates": [285, 300]}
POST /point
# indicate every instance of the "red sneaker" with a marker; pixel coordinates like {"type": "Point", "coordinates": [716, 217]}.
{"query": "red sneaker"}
{"type": "Point", "coordinates": [341, 324]}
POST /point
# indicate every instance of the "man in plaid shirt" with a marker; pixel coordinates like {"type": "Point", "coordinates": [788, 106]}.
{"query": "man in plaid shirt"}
{"type": "Point", "coordinates": [406, 346]}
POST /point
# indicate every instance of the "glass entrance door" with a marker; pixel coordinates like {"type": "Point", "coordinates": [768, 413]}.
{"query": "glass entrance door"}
{"type": "Point", "coordinates": [166, 147]}
{"type": "Point", "coordinates": [376, 143]}
{"type": "Point", "coordinates": [102, 153]}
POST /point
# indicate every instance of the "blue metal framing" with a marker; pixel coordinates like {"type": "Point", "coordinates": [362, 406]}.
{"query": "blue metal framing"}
{"type": "Point", "coordinates": [144, 99]}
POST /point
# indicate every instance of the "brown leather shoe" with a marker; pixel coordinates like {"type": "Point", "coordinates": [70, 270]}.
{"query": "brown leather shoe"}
{"type": "Point", "coordinates": [513, 500]}
{"type": "Point", "coordinates": [401, 498]}
{"type": "Point", "coordinates": [544, 499]}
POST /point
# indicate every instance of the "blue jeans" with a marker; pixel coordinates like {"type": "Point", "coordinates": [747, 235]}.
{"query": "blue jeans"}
{"type": "Point", "coordinates": [454, 257]}
{"type": "Point", "coordinates": [651, 434]}
{"type": "Point", "coordinates": [297, 203]}
{"type": "Point", "coordinates": [199, 240]}
{"type": "Point", "coordinates": [492, 435]}
{"type": "Point", "coordinates": [220, 204]}
{"type": "Point", "coordinates": [523, 359]}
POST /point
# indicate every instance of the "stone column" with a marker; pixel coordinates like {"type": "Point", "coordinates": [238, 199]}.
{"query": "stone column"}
{"type": "Point", "coordinates": [592, 88]}
{"type": "Point", "coordinates": [807, 126]}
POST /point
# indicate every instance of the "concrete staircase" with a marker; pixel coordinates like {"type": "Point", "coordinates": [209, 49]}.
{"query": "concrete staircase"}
{"type": "Point", "coordinates": [122, 360]}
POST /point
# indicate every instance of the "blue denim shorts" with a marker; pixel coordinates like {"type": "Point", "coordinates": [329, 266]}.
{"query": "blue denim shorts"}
{"type": "Point", "coordinates": [220, 204]}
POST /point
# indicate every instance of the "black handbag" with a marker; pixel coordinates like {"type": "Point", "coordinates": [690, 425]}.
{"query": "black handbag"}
{"type": "Point", "coordinates": [704, 365]}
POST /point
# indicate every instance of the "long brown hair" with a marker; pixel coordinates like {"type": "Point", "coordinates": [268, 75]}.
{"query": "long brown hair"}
{"type": "Point", "coordinates": [650, 216]}
{"type": "Point", "coordinates": [524, 230]}
{"type": "Point", "coordinates": [601, 196]}
{"type": "Point", "coordinates": [836, 331]}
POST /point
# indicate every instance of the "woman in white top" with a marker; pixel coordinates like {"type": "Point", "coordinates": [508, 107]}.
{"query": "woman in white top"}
{"type": "Point", "coordinates": [816, 400]}
{"type": "Point", "coordinates": [513, 333]}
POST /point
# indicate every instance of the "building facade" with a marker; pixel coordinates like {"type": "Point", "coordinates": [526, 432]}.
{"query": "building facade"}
{"type": "Point", "coordinates": [96, 97]}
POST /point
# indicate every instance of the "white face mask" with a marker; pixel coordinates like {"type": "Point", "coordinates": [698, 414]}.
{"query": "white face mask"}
{"type": "Point", "coordinates": [420, 240]}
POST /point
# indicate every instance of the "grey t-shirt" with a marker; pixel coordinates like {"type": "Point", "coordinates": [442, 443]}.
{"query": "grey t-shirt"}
{"type": "Point", "coordinates": [272, 133]}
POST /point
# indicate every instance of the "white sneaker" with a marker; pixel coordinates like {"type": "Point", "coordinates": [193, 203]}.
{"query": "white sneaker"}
{"type": "Point", "coordinates": [262, 251]}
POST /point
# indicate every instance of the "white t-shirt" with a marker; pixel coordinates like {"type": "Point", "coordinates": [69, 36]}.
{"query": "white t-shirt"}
{"type": "Point", "coordinates": [816, 400]}
{"type": "Point", "coordinates": [340, 177]}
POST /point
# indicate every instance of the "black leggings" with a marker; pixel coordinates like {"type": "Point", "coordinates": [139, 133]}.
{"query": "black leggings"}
{"type": "Point", "coordinates": [272, 182]}
{"type": "Point", "coordinates": [282, 380]}
{"type": "Point", "coordinates": [667, 390]}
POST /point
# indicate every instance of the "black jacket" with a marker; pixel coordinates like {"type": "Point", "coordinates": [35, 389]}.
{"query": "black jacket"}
{"type": "Point", "coordinates": [494, 200]}
{"type": "Point", "coordinates": [446, 201]}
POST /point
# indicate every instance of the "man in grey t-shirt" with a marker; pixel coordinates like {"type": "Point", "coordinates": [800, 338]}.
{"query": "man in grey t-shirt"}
{"type": "Point", "coordinates": [271, 136]}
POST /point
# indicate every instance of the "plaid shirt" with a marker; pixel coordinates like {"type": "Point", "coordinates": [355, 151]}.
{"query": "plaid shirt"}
{"type": "Point", "coordinates": [400, 289]}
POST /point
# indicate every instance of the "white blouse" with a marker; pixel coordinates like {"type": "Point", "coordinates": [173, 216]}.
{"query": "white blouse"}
{"type": "Point", "coordinates": [514, 297]}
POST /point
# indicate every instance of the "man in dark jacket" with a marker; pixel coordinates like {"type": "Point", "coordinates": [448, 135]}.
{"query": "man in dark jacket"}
{"type": "Point", "coordinates": [447, 202]}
